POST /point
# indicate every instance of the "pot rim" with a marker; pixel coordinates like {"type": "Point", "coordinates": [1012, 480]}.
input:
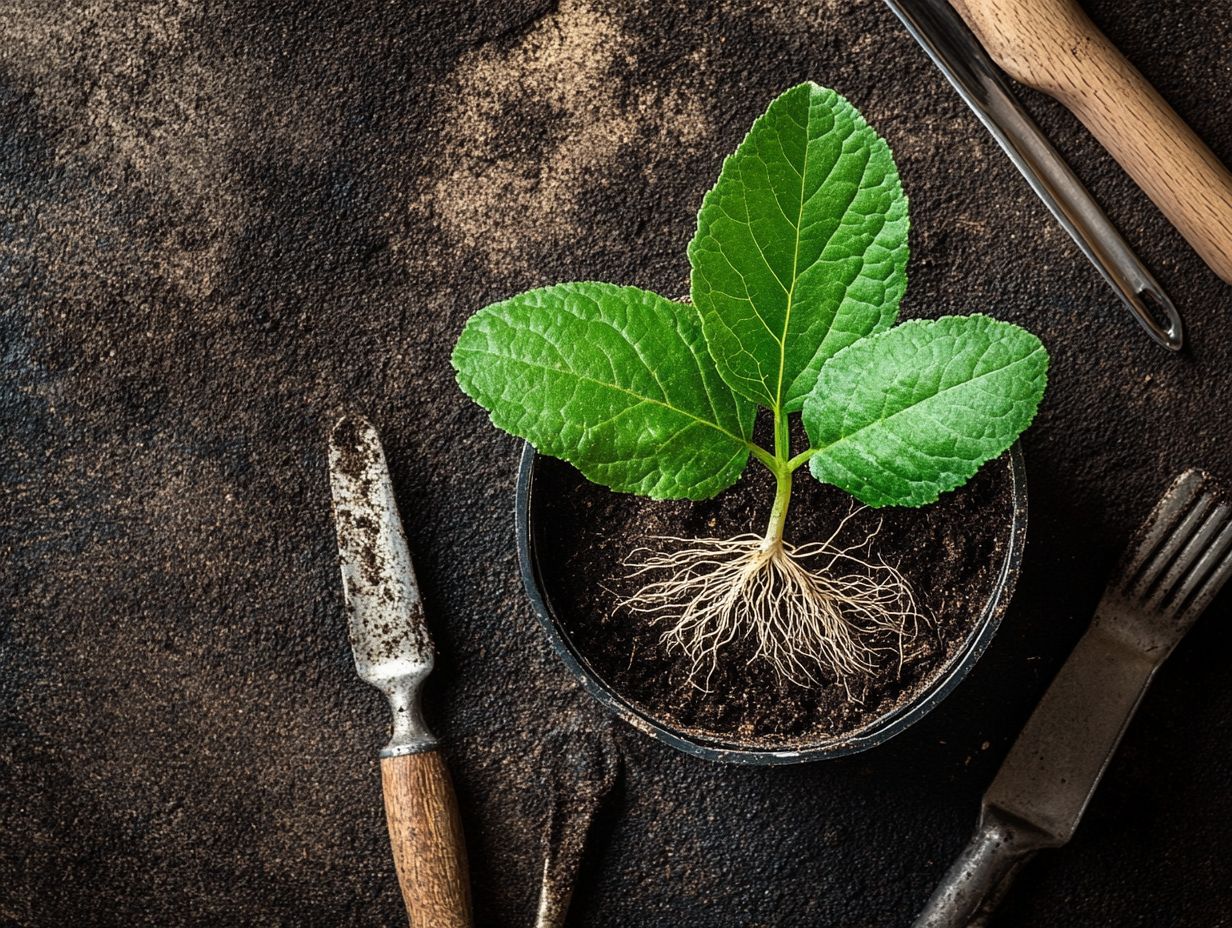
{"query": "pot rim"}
{"type": "Point", "coordinates": [880, 730]}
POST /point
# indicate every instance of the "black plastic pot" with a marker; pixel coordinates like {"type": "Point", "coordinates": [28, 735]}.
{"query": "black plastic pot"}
{"type": "Point", "coordinates": [874, 733]}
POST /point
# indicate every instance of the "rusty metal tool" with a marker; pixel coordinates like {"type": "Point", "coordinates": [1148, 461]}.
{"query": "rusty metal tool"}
{"type": "Point", "coordinates": [1177, 563]}
{"type": "Point", "coordinates": [966, 65]}
{"type": "Point", "coordinates": [393, 652]}
{"type": "Point", "coordinates": [580, 770]}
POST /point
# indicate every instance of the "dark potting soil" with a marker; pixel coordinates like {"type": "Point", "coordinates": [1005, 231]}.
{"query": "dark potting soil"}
{"type": "Point", "coordinates": [950, 552]}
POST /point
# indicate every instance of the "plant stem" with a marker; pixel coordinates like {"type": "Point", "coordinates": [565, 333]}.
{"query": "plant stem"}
{"type": "Point", "coordinates": [778, 515]}
{"type": "Point", "coordinates": [782, 475]}
{"type": "Point", "coordinates": [764, 456]}
{"type": "Point", "coordinates": [801, 458]}
{"type": "Point", "coordinates": [782, 438]}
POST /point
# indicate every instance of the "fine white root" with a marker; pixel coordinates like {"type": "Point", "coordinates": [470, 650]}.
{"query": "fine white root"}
{"type": "Point", "coordinates": [813, 611]}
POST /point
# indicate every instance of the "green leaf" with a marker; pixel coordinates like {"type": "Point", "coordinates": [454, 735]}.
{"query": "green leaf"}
{"type": "Point", "coordinates": [904, 416]}
{"type": "Point", "coordinates": [801, 246]}
{"type": "Point", "coordinates": [614, 380]}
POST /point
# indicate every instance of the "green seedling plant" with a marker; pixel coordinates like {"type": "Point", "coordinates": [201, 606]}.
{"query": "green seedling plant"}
{"type": "Point", "coordinates": [798, 268]}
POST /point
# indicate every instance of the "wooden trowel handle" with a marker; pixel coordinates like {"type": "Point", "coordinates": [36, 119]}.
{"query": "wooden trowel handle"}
{"type": "Point", "coordinates": [425, 832]}
{"type": "Point", "coordinates": [1053, 46]}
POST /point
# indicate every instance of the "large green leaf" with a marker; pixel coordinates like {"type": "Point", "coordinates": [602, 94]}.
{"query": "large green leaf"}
{"type": "Point", "coordinates": [902, 417]}
{"type": "Point", "coordinates": [801, 246]}
{"type": "Point", "coordinates": [614, 380]}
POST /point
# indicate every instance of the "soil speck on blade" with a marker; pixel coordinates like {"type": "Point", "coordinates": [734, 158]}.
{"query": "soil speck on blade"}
{"type": "Point", "coordinates": [355, 455]}
{"type": "Point", "coordinates": [950, 552]}
{"type": "Point", "coordinates": [355, 452]}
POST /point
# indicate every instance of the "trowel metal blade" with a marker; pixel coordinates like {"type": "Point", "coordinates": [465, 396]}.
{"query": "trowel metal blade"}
{"type": "Point", "coordinates": [389, 634]}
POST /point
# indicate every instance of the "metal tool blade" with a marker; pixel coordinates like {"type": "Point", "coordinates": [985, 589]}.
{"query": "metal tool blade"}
{"type": "Point", "coordinates": [1178, 562]}
{"type": "Point", "coordinates": [388, 631]}
{"type": "Point", "coordinates": [1053, 768]}
{"type": "Point", "coordinates": [579, 771]}
{"type": "Point", "coordinates": [962, 59]}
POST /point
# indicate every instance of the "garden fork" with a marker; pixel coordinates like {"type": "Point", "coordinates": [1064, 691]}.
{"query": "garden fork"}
{"type": "Point", "coordinates": [1178, 561]}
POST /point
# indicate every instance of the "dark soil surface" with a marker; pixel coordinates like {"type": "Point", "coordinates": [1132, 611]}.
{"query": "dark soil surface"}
{"type": "Point", "coordinates": [950, 553]}
{"type": "Point", "coordinates": [224, 224]}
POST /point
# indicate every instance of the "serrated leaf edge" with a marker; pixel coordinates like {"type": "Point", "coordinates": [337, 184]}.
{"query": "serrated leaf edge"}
{"type": "Point", "coordinates": [746, 445]}
{"type": "Point", "coordinates": [920, 323]}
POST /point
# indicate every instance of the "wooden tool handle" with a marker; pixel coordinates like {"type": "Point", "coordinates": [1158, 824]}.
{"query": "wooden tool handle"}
{"type": "Point", "coordinates": [1053, 46]}
{"type": "Point", "coordinates": [425, 832]}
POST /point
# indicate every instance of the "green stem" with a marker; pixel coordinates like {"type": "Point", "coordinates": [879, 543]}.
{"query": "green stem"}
{"type": "Point", "coordinates": [781, 468]}
{"type": "Point", "coordinates": [764, 456]}
{"type": "Point", "coordinates": [778, 515]}
{"type": "Point", "coordinates": [782, 438]}
{"type": "Point", "coordinates": [801, 458]}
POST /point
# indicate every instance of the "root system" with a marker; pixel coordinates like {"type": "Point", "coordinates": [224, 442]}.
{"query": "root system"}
{"type": "Point", "coordinates": [816, 612]}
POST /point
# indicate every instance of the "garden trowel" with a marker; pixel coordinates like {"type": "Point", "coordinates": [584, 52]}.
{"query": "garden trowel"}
{"type": "Point", "coordinates": [389, 637]}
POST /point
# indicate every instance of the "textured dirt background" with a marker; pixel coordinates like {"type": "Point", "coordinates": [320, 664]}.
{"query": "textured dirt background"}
{"type": "Point", "coordinates": [225, 222]}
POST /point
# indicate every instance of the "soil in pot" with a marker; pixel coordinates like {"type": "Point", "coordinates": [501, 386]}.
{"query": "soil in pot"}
{"type": "Point", "coordinates": [950, 552]}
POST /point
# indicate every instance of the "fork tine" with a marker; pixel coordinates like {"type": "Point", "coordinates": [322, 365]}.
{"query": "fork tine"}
{"type": "Point", "coordinates": [1177, 537]}
{"type": "Point", "coordinates": [1215, 579]}
{"type": "Point", "coordinates": [1160, 524]}
{"type": "Point", "coordinates": [1195, 558]}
